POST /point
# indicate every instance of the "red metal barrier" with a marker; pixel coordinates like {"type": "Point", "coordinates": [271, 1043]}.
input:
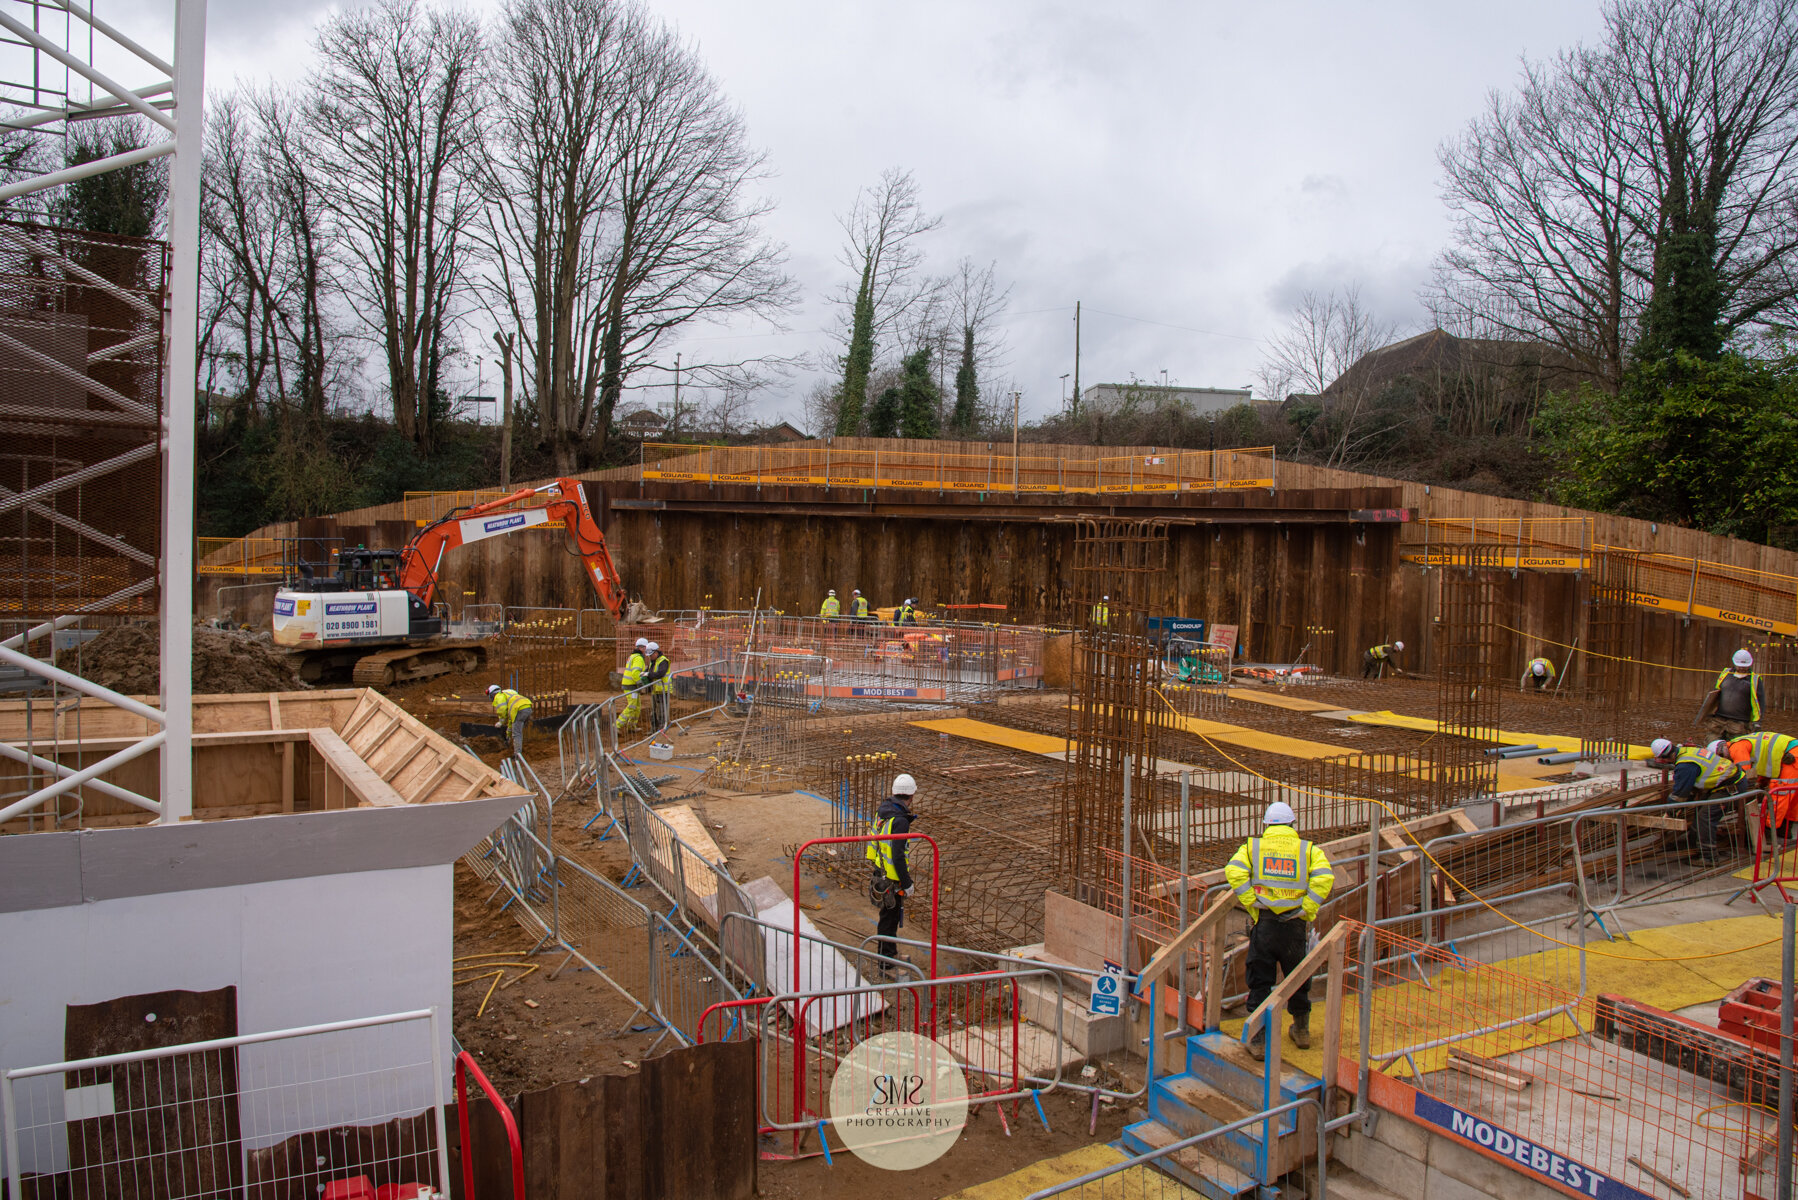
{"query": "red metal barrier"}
{"type": "Point", "coordinates": [465, 1064]}
{"type": "Point", "coordinates": [936, 879]}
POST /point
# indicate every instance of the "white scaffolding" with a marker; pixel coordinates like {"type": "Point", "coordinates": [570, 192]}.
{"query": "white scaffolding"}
{"type": "Point", "coordinates": [48, 62]}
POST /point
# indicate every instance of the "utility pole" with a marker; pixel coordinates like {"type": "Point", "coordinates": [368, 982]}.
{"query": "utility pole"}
{"type": "Point", "coordinates": [1075, 410]}
{"type": "Point", "coordinates": [675, 415]}
{"type": "Point", "coordinates": [1015, 398]}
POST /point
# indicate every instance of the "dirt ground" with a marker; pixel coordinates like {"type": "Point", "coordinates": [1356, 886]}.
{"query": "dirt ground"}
{"type": "Point", "coordinates": [125, 659]}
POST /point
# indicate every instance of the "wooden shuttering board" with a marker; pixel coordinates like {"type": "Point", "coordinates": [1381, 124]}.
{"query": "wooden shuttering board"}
{"type": "Point", "coordinates": [418, 763]}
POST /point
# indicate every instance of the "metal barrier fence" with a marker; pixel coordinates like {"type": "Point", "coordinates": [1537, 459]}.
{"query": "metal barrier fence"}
{"type": "Point", "coordinates": [239, 1114]}
{"type": "Point", "coordinates": [761, 466]}
{"type": "Point", "coordinates": [1590, 1091]}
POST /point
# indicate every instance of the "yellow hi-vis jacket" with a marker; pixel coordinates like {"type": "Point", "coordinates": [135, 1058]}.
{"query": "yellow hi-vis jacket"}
{"type": "Point", "coordinates": [665, 684]}
{"type": "Point", "coordinates": [634, 667]}
{"type": "Point", "coordinates": [1279, 872]}
{"type": "Point", "coordinates": [1766, 752]}
{"type": "Point", "coordinates": [881, 853]}
{"type": "Point", "coordinates": [1529, 670]}
{"type": "Point", "coordinates": [830, 607]}
{"type": "Point", "coordinates": [859, 606]}
{"type": "Point", "coordinates": [1754, 690]}
{"type": "Point", "coordinates": [1713, 770]}
{"type": "Point", "coordinates": [508, 705]}
{"type": "Point", "coordinates": [1101, 614]}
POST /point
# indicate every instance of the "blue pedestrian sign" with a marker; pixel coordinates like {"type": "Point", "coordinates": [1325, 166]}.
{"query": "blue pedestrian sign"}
{"type": "Point", "coordinates": [1108, 992]}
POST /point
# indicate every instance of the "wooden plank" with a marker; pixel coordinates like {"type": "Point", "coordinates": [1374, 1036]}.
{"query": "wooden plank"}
{"type": "Point", "coordinates": [700, 1102]}
{"type": "Point", "coordinates": [446, 766]}
{"type": "Point", "coordinates": [287, 777]}
{"type": "Point", "coordinates": [400, 761]}
{"type": "Point", "coordinates": [1079, 933]}
{"type": "Point", "coordinates": [1333, 1021]}
{"type": "Point", "coordinates": [274, 710]}
{"type": "Point", "coordinates": [354, 774]}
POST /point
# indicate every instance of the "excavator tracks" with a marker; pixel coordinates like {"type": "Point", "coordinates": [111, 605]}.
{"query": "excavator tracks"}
{"type": "Point", "coordinates": [407, 664]}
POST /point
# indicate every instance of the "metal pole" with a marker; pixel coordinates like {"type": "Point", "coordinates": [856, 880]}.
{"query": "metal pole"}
{"type": "Point", "coordinates": [1785, 1054]}
{"type": "Point", "coordinates": [177, 605]}
{"type": "Point", "coordinates": [1185, 843]}
{"type": "Point", "coordinates": [1368, 950]}
{"type": "Point", "coordinates": [1124, 951]}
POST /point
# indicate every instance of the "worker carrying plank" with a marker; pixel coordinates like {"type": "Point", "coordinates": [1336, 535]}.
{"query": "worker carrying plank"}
{"type": "Point", "coordinates": [1539, 671]}
{"type": "Point", "coordinates": [1282, 880]}
{"type": "Point", "coordinates": [892, 878]}
{"type": "Point", "coordinates": [513, 708]}
{"type": "Point", "coordinates": [1700, 774]}
{"type": "Point", "coordinates": [1734, 705]}
{"type": "Point", "coordinates": [1375, 659]}
{"type": "Point", "coordinates": [831, 606]}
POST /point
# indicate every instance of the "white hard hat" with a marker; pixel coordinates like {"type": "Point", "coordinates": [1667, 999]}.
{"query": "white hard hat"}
{"type": "Point", "coordinates": [1104, 597]}
{"type": "Point", "coordinates": [1743, 659]}
{"type": "Point", "coordinates": [492, 688]}
{"type": "Point", "coordinates": [833, 591]}
{"type": "Point", "coordinates": [1718, 747]}
{"type": "Point", "coordinates": [1398, 645]}
{"type": "Point", "coordinates": [1660, 748]}
{"type": "Point", "coordinates": [653, 646]}
{"type": "Point", "coordinates": [1279, 813]}
{"type": "Point", "coordinates": [1538, 668]}
{"type": "Point", "coordinates": [642, 642]}
{"type": "Point", "coordinates": [904, 785]}
{"type": "Point", "coordinates": [855, 591]}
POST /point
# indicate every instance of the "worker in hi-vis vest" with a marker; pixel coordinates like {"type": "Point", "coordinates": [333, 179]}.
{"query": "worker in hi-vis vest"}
{"type": "Point", "coordinates": [1539, 671]}
{"type": "Point", "coordinates": [1282, 880]}
{"type": "Point", "coordinates": [892, 878]}
{"type": "Point", "coordinates": [1375, 659]}
{"type": "Point", "coordinates": [659, 682]}
{"type": "Point", "coordinates": [1771, 758]}
{"type": "Point", "coordinates": [1736, 700]}
{"type": "Point", "coordinates": [1102, 613]}
{"type": "Point", "coordinates": [831, 606]}
{"type": "Point", "coordinates": [514, 711]}
{"type": "Point", "coordinates": [858, 605]}
{"type": "Point", "coordinates": [1700, 774]}
{"type": "Point", "coordinates": [635, 667]}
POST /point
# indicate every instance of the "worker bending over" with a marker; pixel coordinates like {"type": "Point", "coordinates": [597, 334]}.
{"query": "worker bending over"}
{"type": "Point", "coordinates": [858, 605]}
{"type": "Point", "coordinates": [830, 607]}
{"type": "Point", "coordinates": [892, 878]}
{"type": "Point", "coordinates": [1282, 880]}
{"type": "Point", "coordinates": [658, 681]}
{"type": "Point", "coordinates": [514, 711]}
{"type": "Point", "coordinates": [1770, 757]}
{"type": "Point", "coordinates": [1734, 707]}
{"type": "Point", "coordinates": [1375, 659]}
{"type": "Point", "coordinates": [1701, 775]}
{"type": "Point", "coordinates": [1540, 671]}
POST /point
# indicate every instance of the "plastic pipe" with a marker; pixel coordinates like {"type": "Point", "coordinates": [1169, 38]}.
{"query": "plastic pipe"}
{"type": "Point", "coordinates": [1553, 760]}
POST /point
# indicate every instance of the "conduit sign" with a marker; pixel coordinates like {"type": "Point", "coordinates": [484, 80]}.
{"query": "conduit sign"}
{"type": "Point", "coordinates": [1108, 992]}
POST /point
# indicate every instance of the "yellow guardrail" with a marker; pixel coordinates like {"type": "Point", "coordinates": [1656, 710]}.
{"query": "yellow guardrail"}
{"type": "Point", "coordinates": [237, 556]}
{"type": "Point", "coordinates": [1692, 587]}
{"type": "Point", "coordinates": [1174, 471]}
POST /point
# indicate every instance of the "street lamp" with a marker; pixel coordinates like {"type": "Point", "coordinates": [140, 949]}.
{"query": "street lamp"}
{"type": "Point", "coordinates": [1064, 391]}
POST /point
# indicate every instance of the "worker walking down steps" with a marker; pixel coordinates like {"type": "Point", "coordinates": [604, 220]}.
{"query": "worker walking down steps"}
{"type": "Point", "coordinates": [1540, 671]}
{"type": "Point", "coordinates": [892, 878]}
{"type": "Point", "coordinates": [1282, 880]}
{"type": "Point", "coordinates": [830, 607]}
{"type": "Point", "coordinates": [514, 711]}
{"type": "Point", "coordinates": [1375, 659]}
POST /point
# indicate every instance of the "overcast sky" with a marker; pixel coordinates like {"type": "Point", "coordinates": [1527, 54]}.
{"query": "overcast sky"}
{"type": "Point", "coordinates": [1185, 168]}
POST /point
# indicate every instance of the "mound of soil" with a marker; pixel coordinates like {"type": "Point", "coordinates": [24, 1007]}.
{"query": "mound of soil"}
{"type": "Point", "coordinates": [124, 658]}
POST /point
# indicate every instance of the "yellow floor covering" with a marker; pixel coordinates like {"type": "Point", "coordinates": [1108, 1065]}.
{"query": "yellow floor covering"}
{"type": "Point", "coordinates": [1216, 731]}
{"type": "Point", "coordinates": [1559, 742]}
{"type": "Point", "coordinates": [1280, 700]}
{"type": "Point", "coordinates": [1138, 1183]}
{"type": "Point", "coordinates": [1402, 1014]}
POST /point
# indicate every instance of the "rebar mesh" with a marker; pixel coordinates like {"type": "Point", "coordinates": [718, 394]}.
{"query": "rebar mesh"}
{"type": "Point", "coordinates": [1466, 690]}
{"type": "Point", "coordinates": [1612, 627]}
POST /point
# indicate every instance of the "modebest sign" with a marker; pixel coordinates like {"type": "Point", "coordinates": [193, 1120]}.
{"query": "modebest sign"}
{"type": "Point", "coordinates": [899, 1101]}
{"type": "Point", "coordinates": [1526, 1155]}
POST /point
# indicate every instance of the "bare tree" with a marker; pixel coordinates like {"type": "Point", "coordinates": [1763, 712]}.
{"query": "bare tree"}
{"type": "Point", "coordinates": [395, 121]}
{"type": "Point", "coordinates": [238, 217]}
{"type": "Point", "coordinates": [881, 251]}
{"type": "Point", "coordinates": [975, 305]}
{"type": "Point", "coordinates": [307, 238]}
{"type": "Point", "coordinates": [1672, 142]}
{"type": "Point", "coordinates": [686, 245]}
{"type": "Point", "coordinates": [1326, 335]}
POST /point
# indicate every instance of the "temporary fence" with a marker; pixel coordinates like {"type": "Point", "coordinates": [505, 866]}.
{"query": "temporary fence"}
{"type": "Point", "coordinates": [248, 1114]}
{"type": "Point", "coordinates": [1591, 1092]}
{"type": "Point", "coordinates": [834, 661]}
{"type": "Point", "coordinates": [778, 466]}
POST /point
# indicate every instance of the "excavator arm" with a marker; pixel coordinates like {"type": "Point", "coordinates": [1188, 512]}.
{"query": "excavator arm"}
{"type": "Point", "coordinates": [567, 503]}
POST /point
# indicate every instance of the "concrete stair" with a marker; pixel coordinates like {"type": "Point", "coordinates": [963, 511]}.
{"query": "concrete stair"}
{"type": "Point", "coordinates": [1223, 1084]}
{"type": "Point", "coordinates": [1344, 1184]}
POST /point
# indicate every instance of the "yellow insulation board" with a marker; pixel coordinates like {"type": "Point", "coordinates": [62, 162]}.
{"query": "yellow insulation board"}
{"type": "Point", "coordinates": [1278, 700]}
{"type": "Point", "coordinates": [1138, 1183]}
{"type": "Point", "coordinates": [1561, 743]}
{"type": "Point", "coordinates": [997, 735]}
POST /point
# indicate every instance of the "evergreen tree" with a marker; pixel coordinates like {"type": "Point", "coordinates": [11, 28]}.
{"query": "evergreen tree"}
{"type": "Point", "coordinates": [125, 200]}
{"type": "Point", "coordinates": [967, 387]}
{"type": "Point", "coordinates": [883, 417]}
{"type": "Point", "coordinates": [1685, 313]}
{"type": "Point", "coordinates": [920, 401]}
{"type": "Point", "coordinates": [859, 361]}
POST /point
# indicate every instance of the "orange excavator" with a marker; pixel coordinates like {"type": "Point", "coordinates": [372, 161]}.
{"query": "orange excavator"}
{"type": "Point", "coordinates": [374, 615]}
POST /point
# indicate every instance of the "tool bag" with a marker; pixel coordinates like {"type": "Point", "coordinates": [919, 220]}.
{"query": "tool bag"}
{"type": "Point", "coordinates": [883, 893]}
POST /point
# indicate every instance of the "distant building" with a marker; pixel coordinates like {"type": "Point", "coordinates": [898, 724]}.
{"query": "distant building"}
{"type": "Point", "coordinates": [1148, 396]}
{"type": "Point", "coordinates": [643, 422]}
{"type": "Point", "coordinates": [783, 432]}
